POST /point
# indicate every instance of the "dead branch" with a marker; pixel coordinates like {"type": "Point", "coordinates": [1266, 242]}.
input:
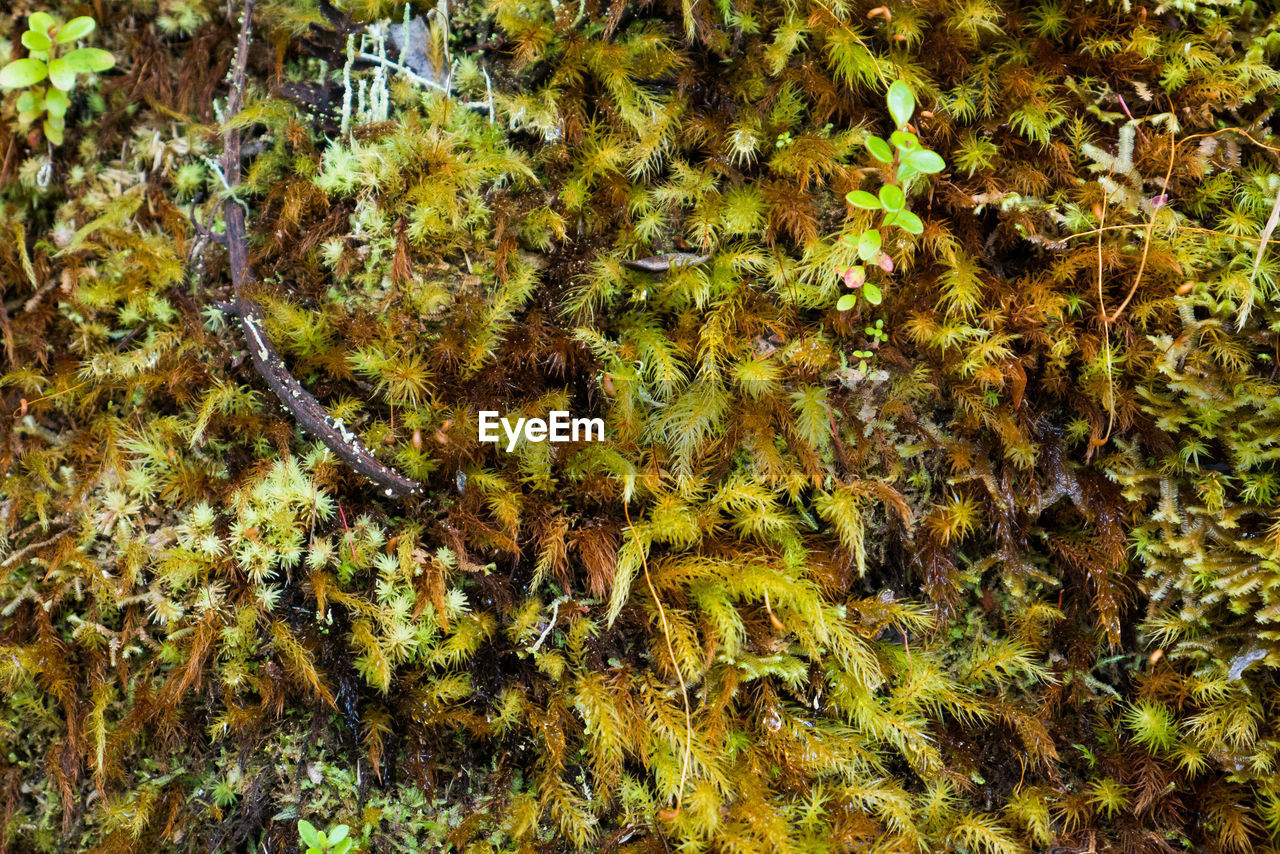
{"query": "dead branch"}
{"type": "Point", "coordinates": [266, 360]}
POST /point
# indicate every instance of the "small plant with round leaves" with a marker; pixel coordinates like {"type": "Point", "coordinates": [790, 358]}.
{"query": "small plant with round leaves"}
{"type": "Point", "coordinates": [332, 841]}
{"type": "Point", "coordinates": [52, 57]}
{"type": "Point", "coordinates": [909, 159]}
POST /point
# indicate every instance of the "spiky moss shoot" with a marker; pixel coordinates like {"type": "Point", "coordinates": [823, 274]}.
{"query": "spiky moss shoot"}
{"type": "Point", "coordinates": [1151, 725]}
{"type": "Point", "coordinates": [190, 179]}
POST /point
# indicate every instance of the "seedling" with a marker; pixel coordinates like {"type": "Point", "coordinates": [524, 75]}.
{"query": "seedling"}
{"type": "Point", "coordinates": [331, 841]}
{"type": "Point", "coordinates": [910, 159]}
{"type": "Point", "coordinates": [48, 41]}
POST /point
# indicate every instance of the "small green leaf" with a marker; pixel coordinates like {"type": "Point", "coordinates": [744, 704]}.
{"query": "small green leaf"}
{"type": "Point", "coordinates": [847, 302]}
{"type": "Point", "coordinates": [892, 198]}
{"type": "Point", "coordinates": [35, 40]}
{"type": "Point", "coordinates": [863, 199]}
{"type": "Point", "coordinates": [869, 244]}
{"type": "Point", "coordinates": [905, 140]}
{"type": "Point", "coordinates": [337, 834]}
{"type": "Point", "coordinates": [341, 848]}
{"type": "Point", "coordinates": [23, 72]}
{"type": "Point", "coordinates": [57, 102]}
{"type": "Point", "coordinates": [41, 22]}
{"type": "Point", "coordinates": [872, 293]}
{"type": "Point", "coordinates": [902, 103]}
{"type": "Point", "coordinates": [89, 59]}
{"type": "Point", "coordinates": [53, 129]}
{"type": "Point", "coordinates": [27, 102]}
{"type": "Point", "coordinates": [926, 161]}
{"type": "Point", "coordinates": [909, 222]}
{"type": "Point", "coordinates": [308, 832]}
{"type": "Point", "coordinates": [76, 28]}
{"type": "Point", "coordinates": [879, 149]}
{"type": "Point", "coordinates": [61, 74]}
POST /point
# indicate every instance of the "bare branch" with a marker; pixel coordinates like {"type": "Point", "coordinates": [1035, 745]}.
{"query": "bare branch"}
{"type": "Point", "coordinates": [266, 359]}
{"type": "Point", "coordinates": [308, 411]}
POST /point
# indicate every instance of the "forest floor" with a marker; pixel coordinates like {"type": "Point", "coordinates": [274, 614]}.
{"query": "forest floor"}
{"type": "Point", "coordinates": [935, 347]}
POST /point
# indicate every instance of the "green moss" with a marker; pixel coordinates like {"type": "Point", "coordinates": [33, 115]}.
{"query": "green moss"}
{"type": "Point", "coordinates": [990, 566]}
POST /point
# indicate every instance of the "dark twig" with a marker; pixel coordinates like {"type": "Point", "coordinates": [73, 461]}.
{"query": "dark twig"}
{"type": "Point", "coordinates": [266, 360]}
{"type": "Point", "coordinates": [7, 329]}
{"type": "Point", "coordinates": [32, 302]}
{"type": "Point", "coordinates": [204, 230]}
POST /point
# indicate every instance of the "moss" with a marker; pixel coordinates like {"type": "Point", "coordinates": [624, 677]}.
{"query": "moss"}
{"type": "Point", "coordinates": [987, 566]}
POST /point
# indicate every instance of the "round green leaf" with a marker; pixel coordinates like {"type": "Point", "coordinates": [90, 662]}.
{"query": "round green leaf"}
{"type": "Point", "coordinates": [76, 28]}
{"type": "Point", "coordinates": [57, 102]}
{"type": "Point", "coordinates": [863, 199]}
{"type": "Point", "coordinates": [27, 102]}
{"type": "Point", "coordinates": [909, 222]}
{"type": "Point", "coordinates": [847, 302]}
{"type": "Point", "coordinates": [341, 848]}
{"type": "Point", "coordinates": [905, 140]}
{"type": "Point", "coordinates": [872, 293]}
{"type": "Point", "coordinates": [338, 834]}
{"type": "Point", "coordinates": [61, 74]}
{"type": "Point", "coordinates": [892, 198]}
{"type": "Point", "coordinates": [902, 103]}
{"type": "Point", "coordinates": [35, 40]}
{"type": "Point", "coordinates": [41, 22]}
{"type": "Point", "coordinates": [308, 832]}
{"type": "Point", "coordinates": [869, 244]}
{"type": "Point", "coordinates": [926, 161]}
{"type": "Point", "coordinates": [22, 72]}
{"type": "Point", "coordinates": [53, 127]}
{"type": "Point", "coordinates": [879, 149]}
{"type": "Point", "coordinates": [88, 59]}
